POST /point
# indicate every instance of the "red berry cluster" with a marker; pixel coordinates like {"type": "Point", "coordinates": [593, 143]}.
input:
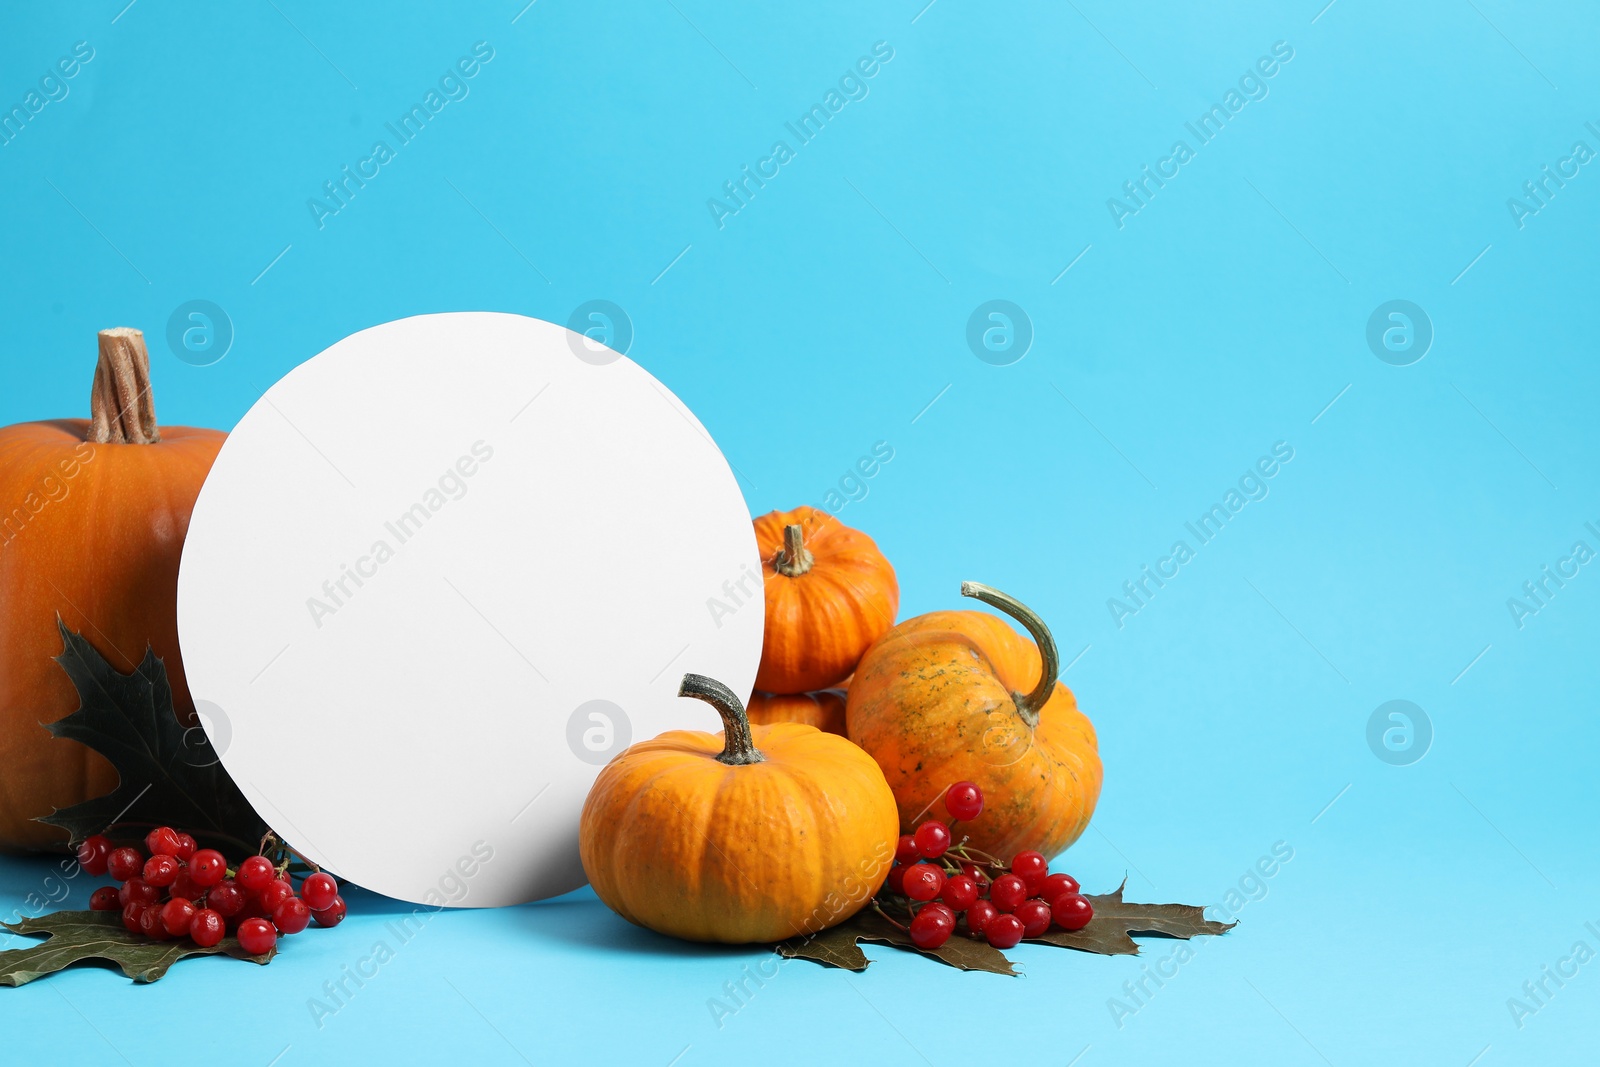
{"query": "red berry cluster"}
{"type": "Point", "coordinates": [943, 882]}
{"type": "Point", "coordinates": [173, 889]}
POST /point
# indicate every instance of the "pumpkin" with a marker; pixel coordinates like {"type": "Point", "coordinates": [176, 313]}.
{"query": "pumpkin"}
{"type": "Point", "coordinates": [95, 513]}
{"type": "Point", "coordinates": [824, 709]}
{"type": "Point", "coordinates": [756, 835]}
{"type": "Point", "coordinates": [961, 696]}
{"type": "Point", "coordinates": [830, 594]}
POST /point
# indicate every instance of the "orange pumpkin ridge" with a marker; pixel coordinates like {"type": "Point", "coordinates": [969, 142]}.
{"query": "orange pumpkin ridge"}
{"type": "Point", "coordinates": [93, 515]}
{"type": "Point", "coordinates": [829, 594]}
{"type": "Point", "coordinates": [762, 834]}
{"type": "Point", "coordinates": [960, 695]}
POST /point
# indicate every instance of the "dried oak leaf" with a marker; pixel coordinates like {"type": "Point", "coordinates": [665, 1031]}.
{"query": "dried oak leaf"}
{"type": "Point", "coordinates": [1108, 934]}
{"type": "Point", "coordinates": [75, 936]}
{"type": "Point", "coordinates": [836, 947]}
{"type": "Point", "coordinates": [1115, 919]}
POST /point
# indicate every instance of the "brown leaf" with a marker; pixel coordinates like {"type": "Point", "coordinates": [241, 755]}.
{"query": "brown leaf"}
{"type": "Point", "coordinates": [75, 936]}
{"type": "Point", "coordinates": [836, 947]}
{"type": "Point", "coordinates": [1115, 919]}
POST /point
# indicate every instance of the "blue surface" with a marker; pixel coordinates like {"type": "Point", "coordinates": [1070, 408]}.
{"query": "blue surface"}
{"type": "Point", "coordinates": [1230, 312]}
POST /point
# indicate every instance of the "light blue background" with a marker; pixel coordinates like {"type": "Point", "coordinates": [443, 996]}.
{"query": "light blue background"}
{"type": "Point", "coordinates": [825, 316]}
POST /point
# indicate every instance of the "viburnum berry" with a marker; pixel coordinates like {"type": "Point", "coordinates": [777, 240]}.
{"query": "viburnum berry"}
{"type": "Point", "coordinates": [959, 891]}
{"type": "Point", "coordinates": [332, 915]}
{"type": "Point", "coordinates": [291, 916]}
{"type": "Point", "coordinates": [895, 883]}
{"type": "Point", "coordinates": [93, 853]}
{"type": "Point", "coordinates": [939, 906]}
{"type": "Point", "coordinates": [186, 847]}
{"type": "Point", "coordinates": [162, 841]}
{"type": "Point", "coordinates": [922, 881]}
{"type": "Point", "coordinates": [161, 870]}
{"type": "Point", "coordinates": [124, 863]}
{"type": "Point", "coordinates": [933, 839]}
{"type": "Point", "coordinates": [183, 886]}
{"type": "Point", "coordinates": [226, 898]}
{"type": "Point", "coordinates": [932, 927]}
{"type": "Point", "coordinates": [105, 898]}
{"type": "Point", "coordinates": [150, 924]}
{"type": "Point", "coordinates": [1003, 931]}
{"type": "Point", "coordinates": [905, 850]}
{"type": "Point", "coordinates": [978, 875]}
{"type": "Point", "coordinates": [208, 868]}
{"type": "Point", "coordinates": [276, 892]}
{"type": "Point", "coordinates": [256, 936]}
{"type": "Point", "coordinates": [130, 915]}
{"type": "Point", "coordinates": [1032, 868]}
{"type": "Point", "coordinates": [979, 915]}
{"type": "Point", "coordinates": [964, 801]}
{"type": "Point", "coordinates": [1035, 916]}
{"type": "Point", "coordinates": [207, 928]}
{"type": "Point", "coordinates": [1057, 884]}
{"type": "Point", "coordinates": [318, 890]}
{"type": "Point", "coordinates": [176, 915]}
{"type": "Point", "coordinates": [255, 874]}
{"type": "Point", "coordinates": [138, 889]}
{"type": "Point", "coordinates": [1008, 891]}
{"type": "Point", "coordinates": [252, 909]}
{"type": "Point", "coordinates": [1072, 911]}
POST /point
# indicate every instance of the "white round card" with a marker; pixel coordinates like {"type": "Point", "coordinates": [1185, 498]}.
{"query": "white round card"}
{"type": "Point", "coordinates": [439, 575]}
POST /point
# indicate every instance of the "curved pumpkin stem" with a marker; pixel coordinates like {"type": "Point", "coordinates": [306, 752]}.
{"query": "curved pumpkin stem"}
{"type": "Point", "coordinates": [740, 748]}
{"type": "Point", "coordinates": [121, 409]}
{"type": "Point", "coordinates": [1028, 704]}
{"type": "Point", "coordinates": [794, 558]}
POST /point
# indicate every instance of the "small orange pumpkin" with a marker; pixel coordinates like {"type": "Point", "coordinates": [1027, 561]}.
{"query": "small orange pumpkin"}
{"type": "Point", "coordinates": [830, 593]}
{"type": "Point", "coordinates": [96, 512]}
{"type": "Point", "coordinates": [941, 699]}
{"type": "Point", "coordinates": [755, 836]}
{"type": "Point", "coordinates": [824, 709]}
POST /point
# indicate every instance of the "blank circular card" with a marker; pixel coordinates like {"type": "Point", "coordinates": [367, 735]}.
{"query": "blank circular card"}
{"type": "Point", "coordinates": [439, 575]}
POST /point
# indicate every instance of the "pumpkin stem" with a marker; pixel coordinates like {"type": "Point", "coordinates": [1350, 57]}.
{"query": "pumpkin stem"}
{"type": "Point", "coordinates": [1028, 704]}
{"type": "Point", "coordinates": [794, 558]}
{"type": "Point", "coordinates": [740, 748]}
{"type": "Point", "coordinates": [121, 409]}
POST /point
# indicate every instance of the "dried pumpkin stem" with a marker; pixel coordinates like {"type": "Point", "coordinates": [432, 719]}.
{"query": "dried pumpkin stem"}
{"type": "Point", "coordinates": [794, 558]}
{"type": "Point", "coordinates": [1028, 704]}
{"type": "Point", "coordinates": [121, 409]}
{"type": "Point", "coordinates": [739, 748]}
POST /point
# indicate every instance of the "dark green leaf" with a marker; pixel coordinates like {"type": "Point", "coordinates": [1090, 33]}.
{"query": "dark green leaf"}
{"type": "Point", "coordinates": [836, 947]}
{"type": "Point", "coordinates": [75, 936]}
{"type": "Point", "coordinates": [169, 774]}
{"type": "Point", "coordinates": [1115, 919]}
{"type": "Point", "coordinates": [1108, 934]}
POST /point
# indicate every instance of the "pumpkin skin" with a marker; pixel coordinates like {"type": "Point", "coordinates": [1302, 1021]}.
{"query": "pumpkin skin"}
{"type": "Point", "coordinates": [943, 698]}
{"type": "Point", "coordinates": [824, 709]}
{"type": "Point", "coordinates": [677, 841]}
{"type": "Point", "coordinates": [91, 532]}
{"type": "Point", "coordinates": [829, 594]}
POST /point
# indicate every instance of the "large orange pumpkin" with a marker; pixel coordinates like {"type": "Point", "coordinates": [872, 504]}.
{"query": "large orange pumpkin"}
{"type": "Point", "coordinates": [960, 696]}
{"type": "Point", "coordinates": [93, 520]}
{"type": "Point", "coordinates": [824, 709]}
{"type": "Point", "coordinates": [756, 835]}
{"type": "Point", "coordinates": [830, 593]}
